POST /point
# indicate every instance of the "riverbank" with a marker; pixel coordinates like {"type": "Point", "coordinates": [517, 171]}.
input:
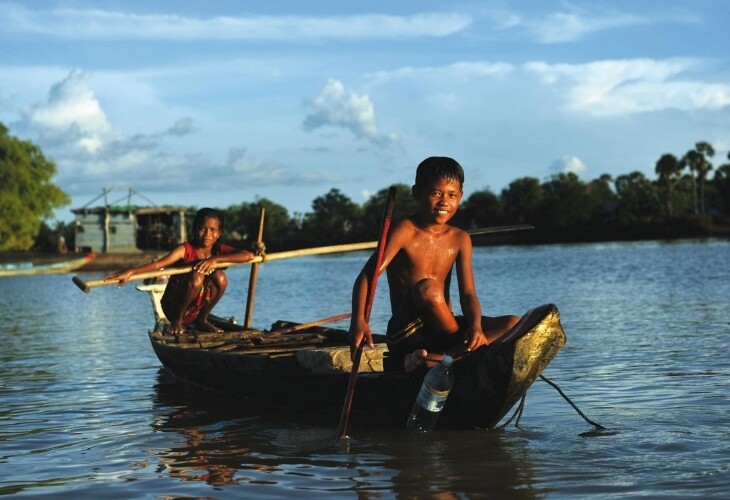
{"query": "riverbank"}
{"type": "Point", "coordinates": [104, 262]}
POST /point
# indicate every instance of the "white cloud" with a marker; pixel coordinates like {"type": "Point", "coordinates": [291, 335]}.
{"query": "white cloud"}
{"type": "Point", "coordinates": [569, 164]}
{"type": "Point", "coordinates": [102, 24]}
{"type": "Point", "coordinates": [563, 27]}
{"type": "Point", "coordinates": [574, 23]}
{"type": "Point", "coordinates": [611, 88]}
{"type": "Point", "coordinates": [338, 107]}
{"type": "Point", "coordinates": [71, 113]}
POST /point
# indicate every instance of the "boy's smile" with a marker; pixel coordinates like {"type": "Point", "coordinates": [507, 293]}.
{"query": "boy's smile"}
{"type": "Point", "coordinates": [439, 200]}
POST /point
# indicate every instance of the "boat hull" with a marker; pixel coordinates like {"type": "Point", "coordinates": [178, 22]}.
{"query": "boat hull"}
{"type": "Point", "coordinates": [309, 371]}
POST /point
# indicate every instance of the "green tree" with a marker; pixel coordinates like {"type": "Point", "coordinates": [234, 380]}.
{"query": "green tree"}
{"type": "Point", "coordinates": [523, 200]}
{"type": "Point", "coordinates": [27, 196]}
{"type": "Point", "coordinates": [721, 184]}
{"type": "Point", "coordinates": [243, 220]}
{"type": "Point", "coordinates": [332, 221]}
{"type": "Point", "coordinates": [696, 160]}
{"type": "Point", "coordinates": [638, 198]}
{"type": "Point", "coordinates": [482, 208]}
{"type": "Point", "coordinates": [705, 151]}
{"type": "Point", "coordinates": [566, 202]}
{"type": "Point", "coordinates": [372, 212]}
{"type": "Point", "coordinates": [668, 168]}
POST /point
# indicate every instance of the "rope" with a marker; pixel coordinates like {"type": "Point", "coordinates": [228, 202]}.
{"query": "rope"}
{"type": "Point", "coordinates": [594, 424]}
{"type": "Point", "coordinates": [259, 248]}
{"type": "Point", "coordinates": [517, 413]}
{"type": "Point", "coordinates": [521, 408]}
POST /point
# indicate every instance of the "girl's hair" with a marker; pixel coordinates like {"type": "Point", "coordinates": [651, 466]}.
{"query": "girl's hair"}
{"type": "Point", "coordinates": [439, 167]}
{"type": "Point", "coordinates": [200, 217]}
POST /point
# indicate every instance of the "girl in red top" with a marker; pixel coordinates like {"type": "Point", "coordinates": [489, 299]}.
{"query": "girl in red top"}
{"type": "Point", "coordinates": [190, 297]}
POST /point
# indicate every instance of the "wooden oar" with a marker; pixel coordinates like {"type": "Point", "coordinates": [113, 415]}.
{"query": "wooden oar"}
{"type": "Point", "coordinates": [253, 276]}
{"type": "Point", "coordinates": [304, 326]}
{"type": "Point", "coordinates": [86, 286]}
{"type": "Point", "coordinates": [499, 229]}
{"type": "Point", "coordinates": [384, 228]}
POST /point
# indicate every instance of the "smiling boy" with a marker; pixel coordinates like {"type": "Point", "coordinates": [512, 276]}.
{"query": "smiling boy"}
{"type": "Point", "coordinates": [419, 255]}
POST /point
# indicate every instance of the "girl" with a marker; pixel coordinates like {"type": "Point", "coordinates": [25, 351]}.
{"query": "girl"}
{"type": "Point", "coordinates": [189, 298]}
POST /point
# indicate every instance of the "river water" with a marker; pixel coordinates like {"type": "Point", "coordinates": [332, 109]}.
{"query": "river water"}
{"type": "Point", "coordinates": [87, 411]}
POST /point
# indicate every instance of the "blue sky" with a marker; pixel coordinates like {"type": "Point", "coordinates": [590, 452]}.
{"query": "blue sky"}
{"type": "Point", "coordinates": [219, 102]}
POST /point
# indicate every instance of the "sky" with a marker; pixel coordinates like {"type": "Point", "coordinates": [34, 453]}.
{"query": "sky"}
{"type": "Point", "coordinates": [221, 102]}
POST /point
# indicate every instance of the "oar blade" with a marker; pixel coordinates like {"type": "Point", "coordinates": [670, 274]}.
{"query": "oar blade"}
{"type": "Point", "coordinates": [81, 284]}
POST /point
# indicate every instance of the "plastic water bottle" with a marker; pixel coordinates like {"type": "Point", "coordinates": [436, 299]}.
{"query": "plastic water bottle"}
{"type": "Point", "coordinates": [432, 397]}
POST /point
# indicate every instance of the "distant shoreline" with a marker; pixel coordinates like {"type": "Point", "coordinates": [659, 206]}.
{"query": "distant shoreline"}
{"type": "Point", "coordinates": [105, 262]}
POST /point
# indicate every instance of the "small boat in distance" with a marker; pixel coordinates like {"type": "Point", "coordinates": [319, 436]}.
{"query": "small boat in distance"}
{"type": "Point", "coordinates": [307, 367]}
{"type": "Point", "coordinates": [29, 268]}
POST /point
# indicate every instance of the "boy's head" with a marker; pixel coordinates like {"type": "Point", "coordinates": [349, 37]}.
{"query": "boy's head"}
{"type": "Point", "coordinates": [436, 168]}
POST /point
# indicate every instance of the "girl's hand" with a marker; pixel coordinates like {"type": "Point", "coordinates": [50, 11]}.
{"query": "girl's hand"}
{"type": "Point", "coordinates": [205, 267]}
{"type": "Point", "coordinates": [122, 277]}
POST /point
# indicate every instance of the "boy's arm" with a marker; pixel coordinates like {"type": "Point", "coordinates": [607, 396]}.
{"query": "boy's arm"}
{"type": "Point", "coordinates": [359, 328]}
{"type": "Point", "coordinates": [470, 306]}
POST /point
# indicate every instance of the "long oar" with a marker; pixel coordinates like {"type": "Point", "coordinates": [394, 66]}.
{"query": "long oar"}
{"type": "Point", "coordinates": [384, 228]}
{"type": "Point", "coordinates": [86, 286]}
{"type": "Point", "coordinates": [305, 326]}
{"type": "Point", "coordinates": [253, 276]}
{"type": "Point", "coordinates": [499, 229]}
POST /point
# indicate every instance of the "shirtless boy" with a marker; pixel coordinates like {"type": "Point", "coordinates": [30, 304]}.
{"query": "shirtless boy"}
{"type": "Point", "coordinates": [189, 298]}
{"type": "Point", "coordinates": [419, 255]}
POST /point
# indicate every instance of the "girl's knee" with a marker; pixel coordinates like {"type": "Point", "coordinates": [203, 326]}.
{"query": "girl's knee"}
{"type": "Point", "coordinates": [219, 279]}
{"type": "Point", "coordinates": [197, 280]}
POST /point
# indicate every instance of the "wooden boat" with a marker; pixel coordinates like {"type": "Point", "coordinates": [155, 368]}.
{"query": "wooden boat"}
{"type": "Point", "coordinates": [30, 268]}
{"type": "Point", "coordinates": [309, 369]}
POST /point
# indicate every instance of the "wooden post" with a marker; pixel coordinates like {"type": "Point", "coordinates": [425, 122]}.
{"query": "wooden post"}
{"type": "Point", "coordinates": [253, 276]}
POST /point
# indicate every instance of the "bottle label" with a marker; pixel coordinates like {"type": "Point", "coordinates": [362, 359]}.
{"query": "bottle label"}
{"type": "Point", "coordinates": [430, 399]}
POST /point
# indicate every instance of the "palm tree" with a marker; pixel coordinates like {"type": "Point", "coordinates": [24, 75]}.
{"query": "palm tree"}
{"type": "Point", "coordinates": [668, 168]}
{"type": "Point", "coordinates": [690, 160]}
{"type": "Point", "coordinates": [705, 150]}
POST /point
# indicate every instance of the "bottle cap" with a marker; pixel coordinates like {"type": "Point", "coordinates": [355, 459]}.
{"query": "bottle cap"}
{"type": "Point", "coordinates": [447, 360]}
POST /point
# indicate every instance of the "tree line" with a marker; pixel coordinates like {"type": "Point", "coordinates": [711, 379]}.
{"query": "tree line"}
{"type": "Point", "coordinates": [684, 200]}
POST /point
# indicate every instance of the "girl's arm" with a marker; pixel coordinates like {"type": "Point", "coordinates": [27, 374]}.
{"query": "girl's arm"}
{"type": "Point", "coordinates": [123, 276]}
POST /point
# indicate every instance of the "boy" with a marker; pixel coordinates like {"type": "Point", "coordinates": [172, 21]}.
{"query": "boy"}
{"type": "Point", "coordinates": [419, 255]}
{"type": "Point", "coordinates": [189, 298]}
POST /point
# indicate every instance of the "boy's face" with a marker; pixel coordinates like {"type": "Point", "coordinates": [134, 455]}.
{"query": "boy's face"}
{"type": "Point", "coordinates": [209, 232]}
{"type": "Point", "coordinates": [438, 199]}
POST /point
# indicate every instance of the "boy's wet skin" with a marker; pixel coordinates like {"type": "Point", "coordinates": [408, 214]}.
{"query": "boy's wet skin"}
{"type": "Point", "coordinates": [419, 256]}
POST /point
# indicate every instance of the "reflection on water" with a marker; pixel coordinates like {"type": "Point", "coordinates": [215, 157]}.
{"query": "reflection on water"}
{"type": "Point", "coordinates": [87, 412]}
{"type": "Point", "coordinates": [223, 442]}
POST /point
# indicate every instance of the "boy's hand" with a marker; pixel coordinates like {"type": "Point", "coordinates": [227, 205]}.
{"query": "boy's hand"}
{"type": "Point", "coordinates": [475, 338]}
{"type": "Point", "coordinates": [359, 333]}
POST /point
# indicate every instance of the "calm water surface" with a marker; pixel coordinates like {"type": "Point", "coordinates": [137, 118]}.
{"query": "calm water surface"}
{"type": "Point", "coordinates": [87, 412]}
